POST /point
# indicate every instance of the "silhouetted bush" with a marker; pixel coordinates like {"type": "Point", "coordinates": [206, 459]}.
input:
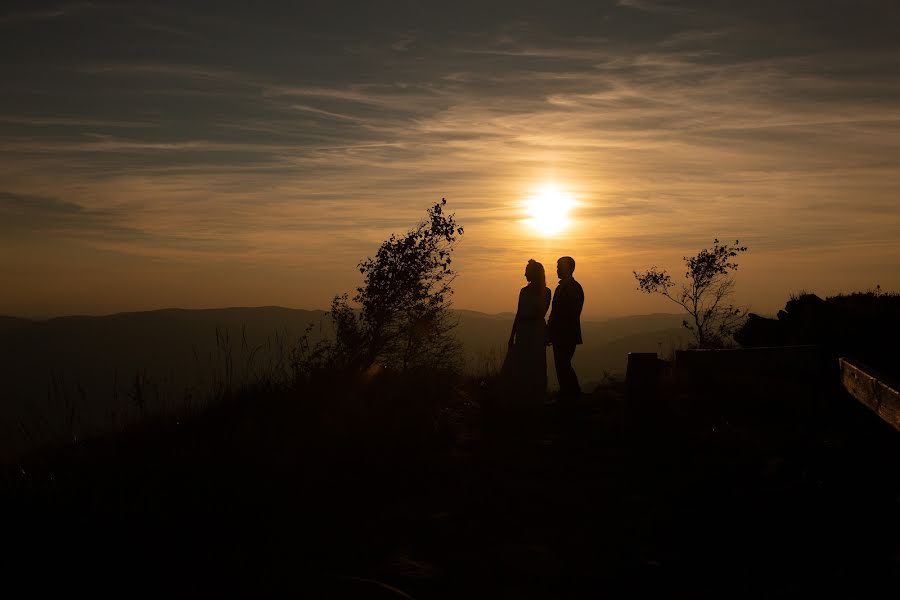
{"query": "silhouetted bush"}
{"type": "Point", "coordinates": [402, 320]}
{"type": "Point", "coordinates": [865, 325]}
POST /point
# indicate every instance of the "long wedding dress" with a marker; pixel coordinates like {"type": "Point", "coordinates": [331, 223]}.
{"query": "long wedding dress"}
{"type": "Point", "coordinates": [525, 367]}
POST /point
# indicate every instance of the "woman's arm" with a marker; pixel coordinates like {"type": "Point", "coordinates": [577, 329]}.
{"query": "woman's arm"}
{"type": "Point", "coordinates": [547, 301]}
{"type": "Point", "coordinates": [512, 334]}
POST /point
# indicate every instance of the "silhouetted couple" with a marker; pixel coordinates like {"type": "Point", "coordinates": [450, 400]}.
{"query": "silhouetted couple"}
{"type": "Point", "coordinates": [525, 368]}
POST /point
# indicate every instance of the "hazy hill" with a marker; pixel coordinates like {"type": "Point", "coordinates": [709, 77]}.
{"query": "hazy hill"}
{"type": "Point", "coordinates": [62, 372]}
{"type": "Point", "coordinates": [83, 372]}
{"type": "Point", "coordinates": [161, 342]}
{"type": "Point", "coordinates": [173, 341]}
{"type": "Point", "coordinates": [606, 343]}
{"type": "Point", "coordinates": [10, 323]}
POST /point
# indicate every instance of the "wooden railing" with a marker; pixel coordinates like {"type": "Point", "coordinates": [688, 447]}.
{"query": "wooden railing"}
{"type": "Point", "coordinates": [870, 388]}
{"type": "Point", "coordinates": [763, 369]}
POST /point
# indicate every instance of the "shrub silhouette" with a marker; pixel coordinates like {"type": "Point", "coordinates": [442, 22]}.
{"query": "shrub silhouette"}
{"type": "Point", "coordinates": [401, 321]}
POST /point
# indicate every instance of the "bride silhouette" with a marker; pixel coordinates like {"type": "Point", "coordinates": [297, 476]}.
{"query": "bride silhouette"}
{"type": "Point", "coordinates": [525, 367]}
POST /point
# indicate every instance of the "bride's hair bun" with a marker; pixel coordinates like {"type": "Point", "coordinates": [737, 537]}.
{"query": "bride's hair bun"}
{"type": "Point", "coordinates": [534, 271]}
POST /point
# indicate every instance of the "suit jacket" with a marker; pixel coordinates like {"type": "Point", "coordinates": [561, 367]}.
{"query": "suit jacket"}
{"type": "Point", "coordinates": [565, 317]}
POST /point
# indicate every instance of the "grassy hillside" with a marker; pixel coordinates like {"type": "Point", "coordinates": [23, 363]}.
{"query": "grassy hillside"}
{"type": "Point", "coordinates": [11, 323]}
{"type": "Point", "coordinates": [397, 489]}
{"type": "Point", "coordinates": [78, 374]}
{"type": "Point", "coordinates": [175, 341]}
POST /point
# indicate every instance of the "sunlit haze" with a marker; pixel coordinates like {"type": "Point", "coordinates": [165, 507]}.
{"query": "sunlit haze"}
{"type": "Point", "coordinates": [548, 210]}
{"type": "Point", "coordinates": [168, 154]}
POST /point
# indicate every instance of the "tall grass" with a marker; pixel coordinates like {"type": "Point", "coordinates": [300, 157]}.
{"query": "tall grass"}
{"type": "Point", "coordinates": [74, 408]}
{"type": "Point", "coordinates": [76, 405]}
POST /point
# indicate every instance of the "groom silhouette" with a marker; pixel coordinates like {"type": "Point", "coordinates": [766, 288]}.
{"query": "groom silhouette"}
{"type": "Point", "coordinates": [564, 326]}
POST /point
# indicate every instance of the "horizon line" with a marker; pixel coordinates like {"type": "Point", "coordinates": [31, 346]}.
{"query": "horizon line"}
{"type": "Point", "coordinates": [40, 318]}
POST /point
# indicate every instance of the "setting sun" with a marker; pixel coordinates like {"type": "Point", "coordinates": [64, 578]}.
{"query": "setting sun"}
{"type": "Point", "coordinates": [548, 210]}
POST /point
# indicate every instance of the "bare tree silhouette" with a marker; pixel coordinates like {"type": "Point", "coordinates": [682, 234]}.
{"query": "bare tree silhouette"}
{"type": "Point", "coordinates": [704, 294]}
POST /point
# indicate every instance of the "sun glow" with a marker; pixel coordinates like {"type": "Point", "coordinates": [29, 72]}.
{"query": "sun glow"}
{"type": "Point", "coordinates": [548, 210]}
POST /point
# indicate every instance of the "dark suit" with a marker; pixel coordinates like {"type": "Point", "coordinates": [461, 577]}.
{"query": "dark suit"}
{"type": "Point", "coordinates": [564, 327]}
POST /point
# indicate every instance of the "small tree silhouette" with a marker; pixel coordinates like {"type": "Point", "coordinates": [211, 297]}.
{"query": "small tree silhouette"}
{"type": "Point", "coordinates": [708, 285]}
{"type": "Point", "coordinates": [404, 317]}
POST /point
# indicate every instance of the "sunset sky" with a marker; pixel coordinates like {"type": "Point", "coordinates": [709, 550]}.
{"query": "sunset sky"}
{"type": "Point", "coordinates": [242, 154]}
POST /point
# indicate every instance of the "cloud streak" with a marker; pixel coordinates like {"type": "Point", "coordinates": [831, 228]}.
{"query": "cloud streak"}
{"type": "Point", "coordinates": [670, 126]}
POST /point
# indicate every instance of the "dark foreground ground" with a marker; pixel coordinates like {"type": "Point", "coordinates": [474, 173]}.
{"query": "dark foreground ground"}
{"type": "Point", "coordinates": [380, 498]}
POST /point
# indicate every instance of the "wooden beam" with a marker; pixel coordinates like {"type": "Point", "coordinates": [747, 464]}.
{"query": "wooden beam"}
{"type": "Point", "coordinates": [864, 384]}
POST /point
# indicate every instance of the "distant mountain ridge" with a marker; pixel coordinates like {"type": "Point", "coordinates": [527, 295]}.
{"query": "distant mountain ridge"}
{"type": "Point", "coordinates": [9, 323]}
{"type": "Point", "coordinates": [90, 373]}
{"type": "Point", "coordinates": [164, 336]}
{"type": "Point", "coordinates": [165, 340]}
{"type": "Point", "coordinates": [286, 310]}
{"type": "Point", "coordinates": [168, 338]}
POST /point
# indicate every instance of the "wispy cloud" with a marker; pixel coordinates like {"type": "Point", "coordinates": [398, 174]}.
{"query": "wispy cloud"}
{"type": "Point", "coordinates": [652, 6]}
{"type": "Point", "coordinates": [54, 12]}
{"type": "Point", "coordinates": [70, 122]}
{"type": "Point", "coordinates": [670, 126]}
